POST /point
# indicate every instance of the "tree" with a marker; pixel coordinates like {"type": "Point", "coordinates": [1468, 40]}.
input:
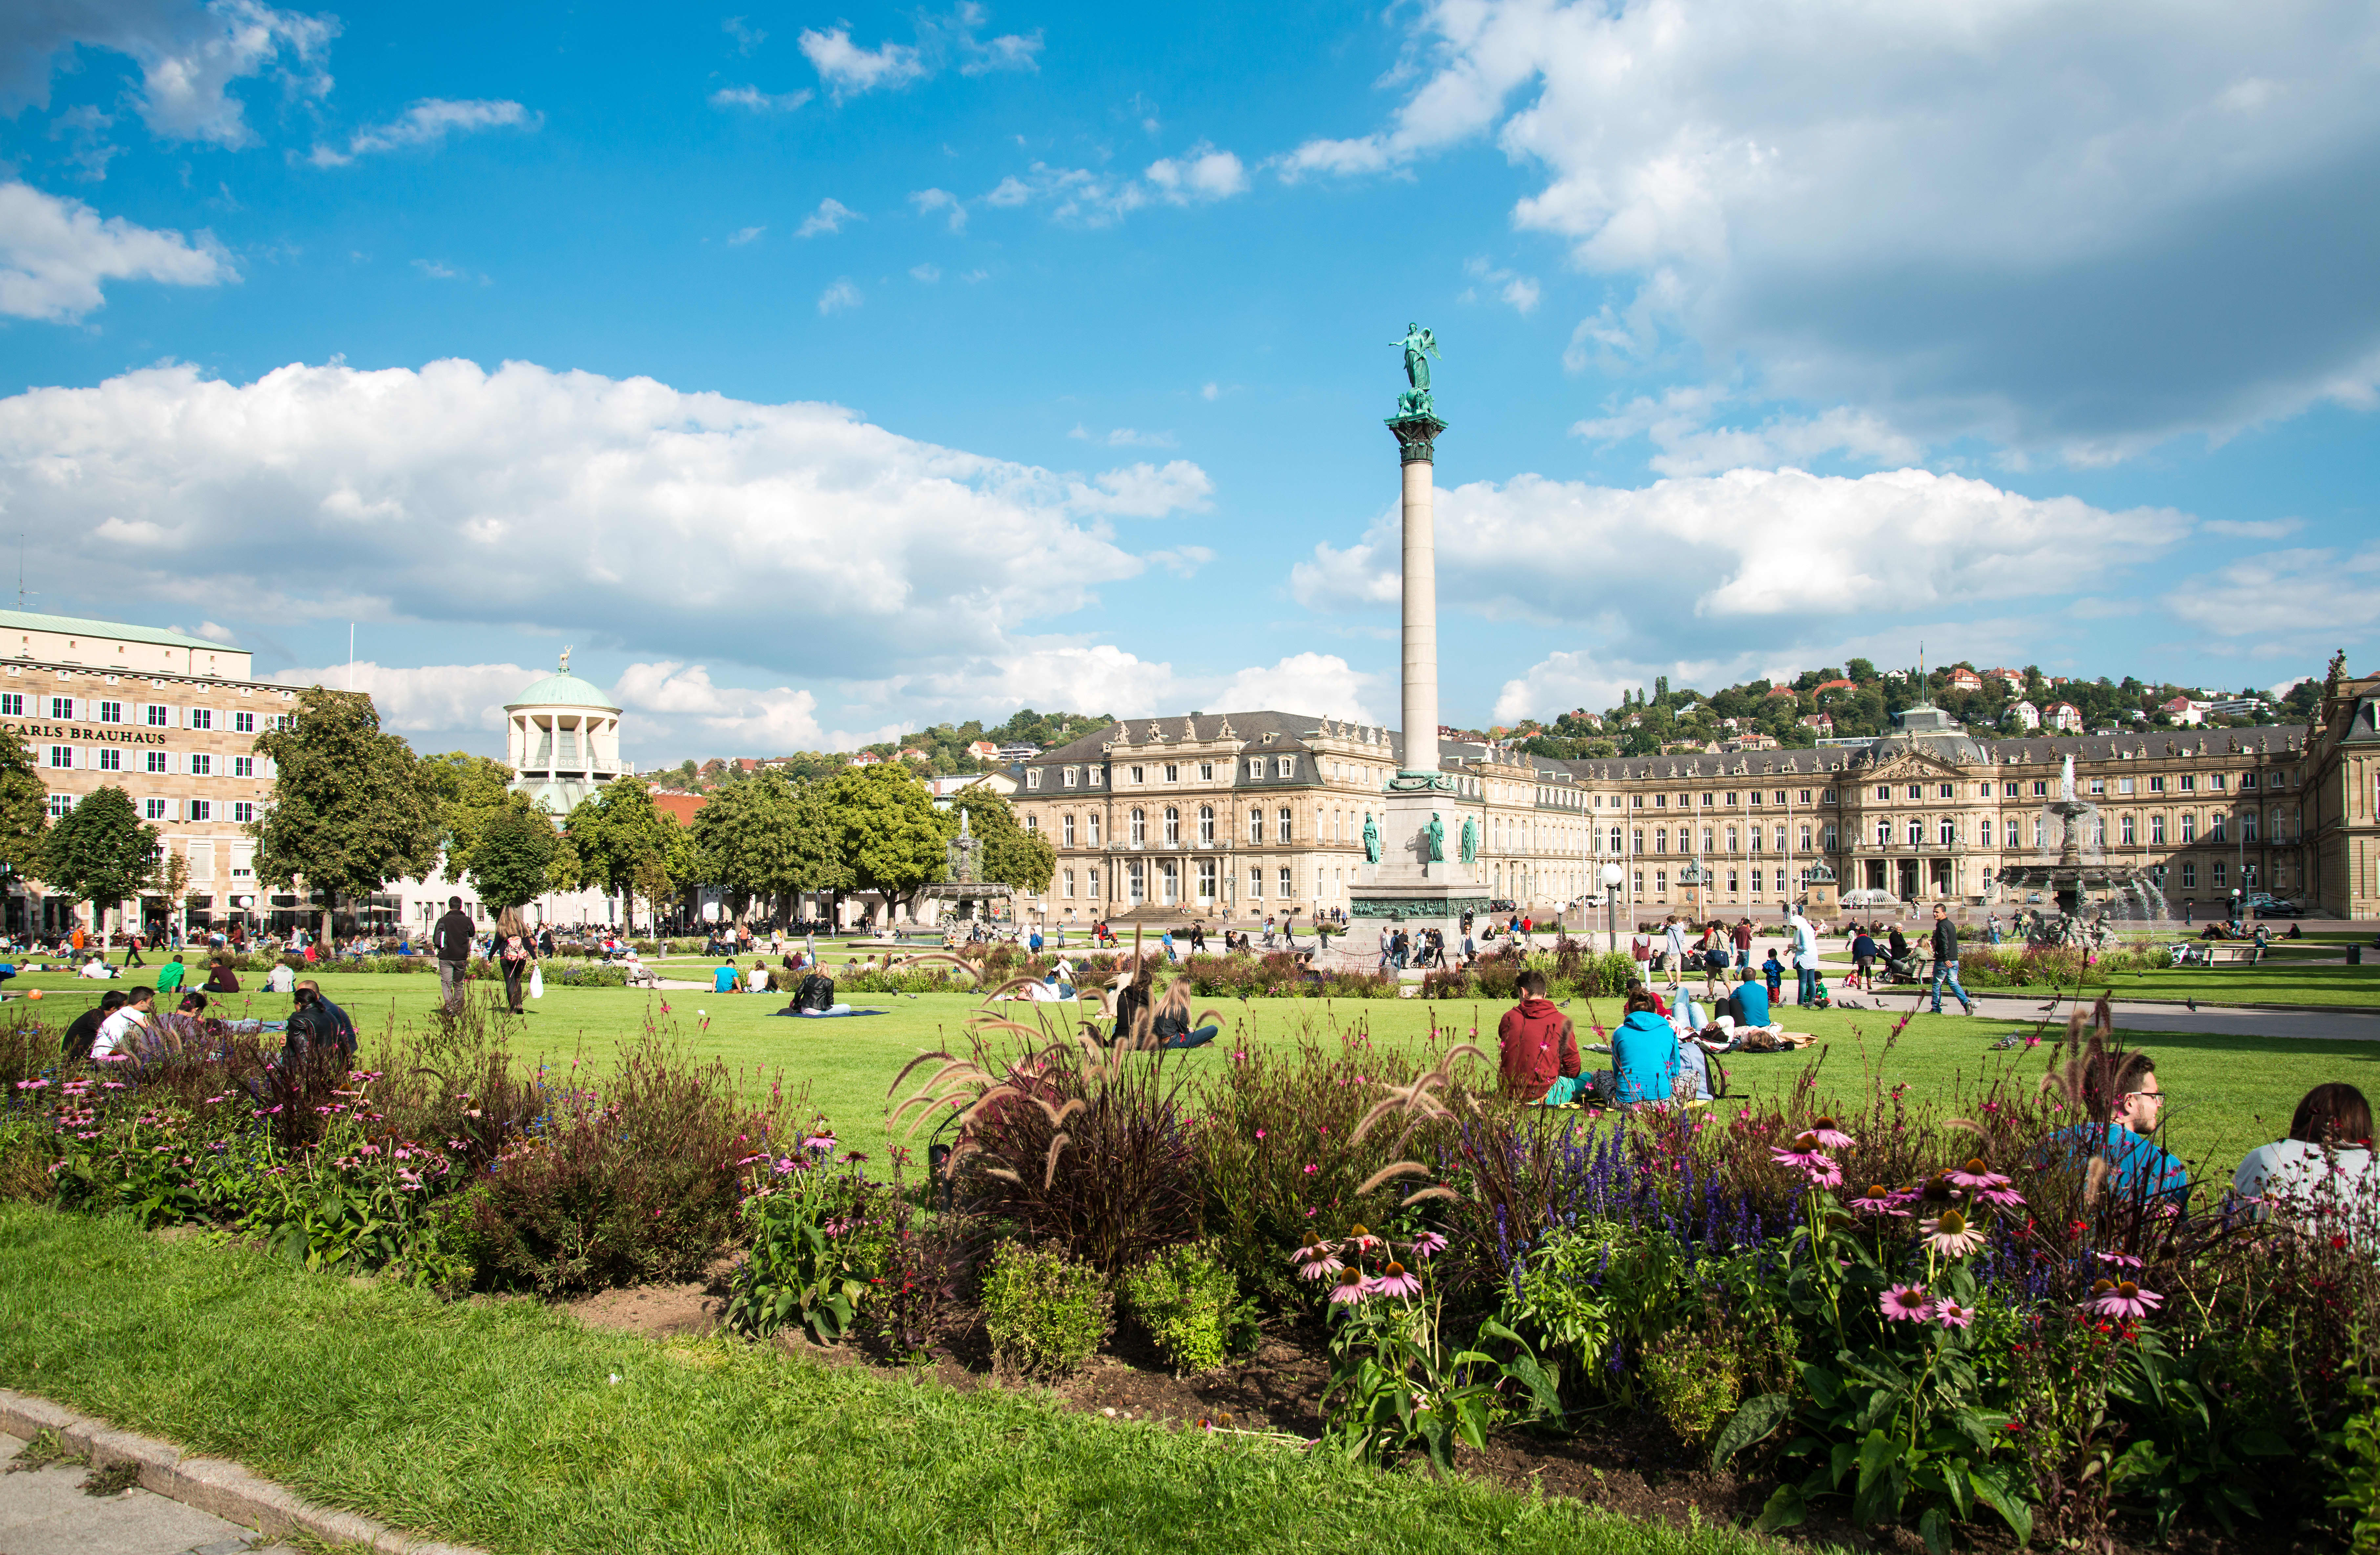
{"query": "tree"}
{"type": "Point", "coordinates": [101, 850]}
{"type": "Point", "coordinates": [469, 791]}
{"type": "Point", "coordinates": [514, 857]}
{"type": "Point", "coordinates": [350, 810]}
{"type": "Point", "coordinates": [24, 810]}
{"type": "Point", "coordinates": [886, 831]}
{"type": "Point", "coordinates": [1011, 854]}
{"type": "Point", "coordinates": [614, 830]}
{"type": "Point", "coordinates": [171, 882]}
{"type": "Point", "coordinates": [748, 839]}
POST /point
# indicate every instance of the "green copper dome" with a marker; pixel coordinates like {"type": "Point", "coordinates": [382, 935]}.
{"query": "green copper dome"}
{"type": "Point", "coordinates": [562, 689]}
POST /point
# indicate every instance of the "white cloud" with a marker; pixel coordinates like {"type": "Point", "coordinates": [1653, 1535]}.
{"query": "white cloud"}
{"type": "Point", "coordinates": [761, 101]}
{"type": "Point", "coordinates": [1210, 392]}
{"type": "Point", "coordinates": [747, 38]}
{"type": "Point", "coordinates": [744, 235]}
{"type": "Point", "coordinates": [213, 632]}
{"type": "Point", "coordinates": [429, 698]}
{"type": "Point", "coordinates": [437, 271]}
{"type": "Point", "coordinates": [1749, 558]}
{"type": "Point", "coordinates": [1969, 220]}
{"type": "Point", "coordinates": [1203, 173]}
{"type": "Point", "coordinates": [56, 253]}
{"type": "Point", "coordinates": [563, 501]}
{"type": "Point", "coordinates": [929, 274]}
{"type": "Point", "coordinates": [1181, 561]}
{"type": "Point", "coordinates": [188, 56]}
{"type": "Point", "coordinates": [828, 218]}
{"type": "Point", "coordinates": [848, 69]}
{"type": "Point", "coordinates": [1122, 437]}
{"type": "Point", "coordinates": [779, 719]}
{"type": "Point", "coordinates": [1060, 672]}
{"type": "Point", "coordinates": [2253, 529]}
{"type": "Point", "coordinates": [428, 123]}
{"type": "Point", "coordinates": [837, 298]}
{"type": "Point", "coordinates": [1679, 425]}
{"type": "Point", "coordinates": [1097, 199]}
{"type": "Point", "coordinates": [928, 201]}
{"type": "Point", "coordinates": [1519, 292]}
{"type": "Point", "coordinates": [2295, 600]}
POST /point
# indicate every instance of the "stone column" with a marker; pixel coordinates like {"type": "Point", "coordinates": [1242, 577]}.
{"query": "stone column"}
{"type": "Point", "coordinates": [1416, 448]}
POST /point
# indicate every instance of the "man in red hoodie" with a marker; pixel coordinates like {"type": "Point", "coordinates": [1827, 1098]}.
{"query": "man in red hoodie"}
{"type": "Point", "coordinates": [1535, 1042]}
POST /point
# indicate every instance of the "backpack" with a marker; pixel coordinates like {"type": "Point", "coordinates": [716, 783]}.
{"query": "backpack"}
{"type": "Point", "coordinates": [817, 993]}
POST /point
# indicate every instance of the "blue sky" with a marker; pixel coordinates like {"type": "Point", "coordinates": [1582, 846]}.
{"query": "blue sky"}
{"type": "Point", "coordinates": [818, 372]}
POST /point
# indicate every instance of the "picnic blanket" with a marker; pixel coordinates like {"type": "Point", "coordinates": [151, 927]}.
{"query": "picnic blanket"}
{"type": "Point", "coordinates": [838, 1012]}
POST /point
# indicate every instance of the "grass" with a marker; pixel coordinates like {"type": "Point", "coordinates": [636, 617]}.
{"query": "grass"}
{"type": "Point", "coordinates": [2230, 1093]}
{"type": "Point", "coordinates": [2275, 981]}
{"type": "Point", "coordinates": [509, 1426]}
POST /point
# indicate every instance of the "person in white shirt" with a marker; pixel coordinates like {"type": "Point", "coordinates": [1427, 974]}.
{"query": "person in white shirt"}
{"type": "Point", "coordinates": [121, 1032]}
{"type": "Point", "coordinates": [2322, 1168]}
{"type": "Point", "coordinates": [281, 979]}
{"type": "Point", "coordinates": [96, 968]}
{"type": "Point", "coordinates": [1805, 957]}
{"type": "Point", "coordinates": [757, 980]}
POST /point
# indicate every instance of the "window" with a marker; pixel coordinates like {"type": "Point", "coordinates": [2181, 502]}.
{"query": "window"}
{"type": "Point", "coordinates": [1883, 833]}
{"type": "Point", "coordinates": [2190, 877]}
{"type": "Point", "coordinates": [1282, 826]}
{"type": "Point", "coordinates": [1032, 774]}
{"type": "Point", "coordinates": [1636, 844]}
{"type": "Point", "coordinates": [1066, 778]}
{"type": "Point", "coordinates": [1256, 826]}
{"type": "Point", "coordinates": [245, 723]}
{"type": "Point", "coordinates": [1805, 843]}
{"type": "Point", "coordinates": [1091, 882]}
{"type": "Point", "coordinates": [1285, 766]}
{"type": "Point", "coordinates": [1033, 823]}
{"type": "Point", "coordinates": [1660, 801]}
{"type": "Point", "coordinates": [1206, 880]}
{"type": "Point", "coordinates": [2189, 826]}
{"type": "Point", "coordinates": [1093, 777]}
{"type": "Point", "coordinates": [62, 708]}
{"type": "Point", "coordinates": [1255, 767]}
{"type": "Point", "coordinates": [1780, 882]}
{"type": "Point", "coordinates": [201, 764]}
{"type": "Point", "coordinates": [1731, 799]}
{"type": "Point", "coordinates": [243, 811]}
{"type": "Point", "coordinates": [111, 713]}
{"type": "Point", "coordinates": [2127, 831]}
{"type": "Point", "coordinates": [1256, 883]}
{"type": "Point", "coordinates": [1805, 796]}
{"type": "Point", "coordinates": [1615, 839]}
{"type": "Point", "coordinates": [1706, 801]}
{"type": "Point", "coordinates": [1733, 887]}
{"type": "Point", "coordinates": [1139, 774]}
{"type": "Point", "coordinates": [1755, 797]}
{"type": "Point", "coordinates": [1661, 883]}
{"type": "Point", "coordinates": [1661, 839]}
{"type": "Point", "coordinates": [2218, 874]}
{"type": "Point", "coordinates": [1947, 832]}
{"type": "Point", "coordinates": [157, 715]}
{"type": "Point", "coordinates": [1066, 832]}
{"type": "Point", "coordinates": [1942, 791]}
{"type": "Point", "coordinates": [2215, 781]}
{"type": "Point", "coordinates": [2157, 829]}
{"type": "Point", "coordinates": [1707, 839]}
{"type": "Point", "coordinates": [1917, 831]}
{"type": "Point", "coordinates": [111, 760]}
{"type": "Point", "coordinates": [1918, 791]}
{"type": "Point", "coordinates": [2189, 783]}
{"type": "Point", "coordinates": [1730, 839]}
{"type": "Point", "coordinates": [1756, 839]}
{"type": "Point", "coordinates": [2015, 833]}
{"type": "Point", "coordinates": [1093, 822]}
{"type": "Point", "coordinates": [1139, 826]}
{"type": "Point", "coordinates": [1636, 801]}
{"type": "Point", "coordinates": [2123, 785]}
{"type": "Point", "coordinates": [1066, 883]}
{"type": "Point", "coordinates": [203, 718]}
{"type": "Point", "coordinates": [61, 756]}
{"type": "Point", "coordinates": [60, 804]}
{"type": "Point", "coordinates": [2247, 826]}
{"type": "Point", "coordinates": [1287, 889]}
{"type": "Point", "coordinates": [152, 809]}
{"type": "Point", "coordinates": [2157, 785]}
{"type": "Point", "coordinates": [1207, 825]}
{"type": "Point", "coordinates": [1206, 771]}
{"type": "Point", "coordinates": [2216, 821]}
{"type": "Point", "coordinates": [158, 761]}
{"type": "Point", "coordinates": [2040, 789]}
{"type": "Point", "coordinates": [12, 705]}
{"type": "Point", "coordinates": [201, 810]}
{"type": "Point", "coordinates": [1172, 825]}
{"type": "Point", "coordinates": [2008, 791]}
{"type": "Point", "coordinates": [1884, 791]}
{"type": "Point", "coordinates": [1173, 772]}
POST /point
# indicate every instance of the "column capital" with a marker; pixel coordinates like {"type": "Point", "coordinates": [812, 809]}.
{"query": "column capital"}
{"type": "Point", "coordinates": [1417, 437]}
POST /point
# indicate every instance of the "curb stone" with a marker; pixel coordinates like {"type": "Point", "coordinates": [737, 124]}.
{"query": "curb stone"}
{"type": "Point", "coordinates": [212, 1485]}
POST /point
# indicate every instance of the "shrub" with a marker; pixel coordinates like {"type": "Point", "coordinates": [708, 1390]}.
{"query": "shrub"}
{"type": "Point", "coordinates": [1191, 1307]}
{"type": "Point", "coordinates": [819, 1240]}
{"type": "Point", "coordinates": [1692, 1382]}
{"type": "Point", "coordinates": [1046, 1314]}
{"type": "Point", "coordinates": [925, 1258]}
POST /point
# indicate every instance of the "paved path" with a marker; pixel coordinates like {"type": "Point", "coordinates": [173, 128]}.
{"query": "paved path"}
{"type": "Point", "coordinates": [2212, 1020]}
{"type": "Point", "coordinates": [44, 1512]}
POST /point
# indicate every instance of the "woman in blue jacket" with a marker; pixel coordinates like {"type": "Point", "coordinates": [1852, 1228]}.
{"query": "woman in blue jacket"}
{"type": "Point", "coordinates": [1644, 1055]}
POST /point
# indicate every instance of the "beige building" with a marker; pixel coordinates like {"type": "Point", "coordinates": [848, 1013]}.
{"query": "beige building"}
{"type": "Point", "coordinates": [1248, 813]}
{"type": "Point", "coordinates": [2343, 796]}
{"type": "Point", "coordinates": [170, 720]}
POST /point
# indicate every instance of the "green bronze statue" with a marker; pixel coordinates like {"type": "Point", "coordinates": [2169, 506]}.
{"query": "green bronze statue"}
{"type": "Point", "coordinates": [1371, 838]}
{"type": "Point", "coordinates": [1437, 839]}
{"type": "Point", "coordinates": [1470, 840]}
{"type": "Point", "coordinates": [1420, 345]}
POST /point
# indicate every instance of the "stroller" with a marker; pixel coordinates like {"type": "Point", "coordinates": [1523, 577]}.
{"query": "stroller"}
{"type": "Point", "coordinates": [1899, 968]}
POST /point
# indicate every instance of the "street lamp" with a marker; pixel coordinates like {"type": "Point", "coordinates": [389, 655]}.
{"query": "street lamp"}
{"type": "Point", "coordinates": [1610, 876]}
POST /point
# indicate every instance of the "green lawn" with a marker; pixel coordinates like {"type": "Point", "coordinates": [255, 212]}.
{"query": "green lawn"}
{"type": "Point", "coordinates": [507, 1425]}
{"type": "Point", "coordinates": [2273, 982]}
{"type": "Point", "coordinates": [2230, 1093]}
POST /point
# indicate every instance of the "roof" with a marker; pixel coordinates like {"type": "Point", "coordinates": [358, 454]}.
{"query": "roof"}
{"type": "Point", "coordinates": [1287, 732]}
{"type": "Point", "coordinates": [563, 691]}
{"type": "Point", "coordinates": [76, 625]}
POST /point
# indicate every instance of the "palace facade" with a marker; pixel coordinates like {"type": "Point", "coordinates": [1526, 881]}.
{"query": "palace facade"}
{"type": "Point", "coordinates": [1247, 813]}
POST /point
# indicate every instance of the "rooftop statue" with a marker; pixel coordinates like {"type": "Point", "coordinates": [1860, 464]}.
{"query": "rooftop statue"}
{"type": "Point", "coordinates": [1420, 345]}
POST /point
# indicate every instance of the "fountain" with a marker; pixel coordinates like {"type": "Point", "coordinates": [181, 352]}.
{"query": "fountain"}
{"type": "Point", "coordinates": [2081, 877]}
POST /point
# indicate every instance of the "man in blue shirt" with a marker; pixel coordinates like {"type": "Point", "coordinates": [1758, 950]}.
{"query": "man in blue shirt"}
{"type": "Point", "coordinates": [2138, 1171]}
{"type": "Point", "coordinates": [723, 980]}
{"type": "Point", "coordinates": [1751, 1000]}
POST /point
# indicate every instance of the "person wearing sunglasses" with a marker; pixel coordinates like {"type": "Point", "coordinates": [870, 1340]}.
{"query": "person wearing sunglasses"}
{"type": "Point", "coordinates": [2120, 1093]}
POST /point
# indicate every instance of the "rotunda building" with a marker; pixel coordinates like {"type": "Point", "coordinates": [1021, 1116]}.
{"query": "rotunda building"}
{"type": "Point", "coordinates": [561, 740]}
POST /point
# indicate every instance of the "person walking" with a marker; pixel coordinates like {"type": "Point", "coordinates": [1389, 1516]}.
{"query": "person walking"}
{"type": "Point", "coordinates": [451, 940]}
{"type": "Point", "coordinates": [516, 948]}
{"type": "Point", "coordinates": [1742, 944]}
{"type": "Point", "coordinates": [1946, 960]}
{"type": "Point", "coordinates": [1673, 948]}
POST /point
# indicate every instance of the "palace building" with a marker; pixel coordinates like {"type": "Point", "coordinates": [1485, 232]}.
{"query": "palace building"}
{"type": "Point", "coordinates": [1248, 813]}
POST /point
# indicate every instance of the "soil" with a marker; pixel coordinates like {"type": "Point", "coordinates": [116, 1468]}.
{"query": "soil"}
{"type": "Point", "coordinates": [1628, 1465]}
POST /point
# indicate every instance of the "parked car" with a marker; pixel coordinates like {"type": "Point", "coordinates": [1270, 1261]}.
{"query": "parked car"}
{"type": "Point", "coordinates": [2267, 905]}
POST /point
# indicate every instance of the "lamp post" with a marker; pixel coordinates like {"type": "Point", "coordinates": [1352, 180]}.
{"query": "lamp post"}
{"type": "Point", "coordinates": [1610, 875]}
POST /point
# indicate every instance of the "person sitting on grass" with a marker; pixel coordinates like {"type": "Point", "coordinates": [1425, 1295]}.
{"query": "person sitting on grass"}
{"type": "Point", "coordinates": [283, 978]}
{"type": "Point", "coordinates": [1170, 1024]}
{"type": "Point", "coordinates": [2323, 1170]}
{"type": "Point", "coordinates": [1537, 1051]}
{"type": "Point", "coordinates": [1750, 1003]}
{"type": "Point", "coordinates": [1646, 1056]}
{"type": "Point", "coordinates": [757, 982]}
{"type": "Point", "coordinates": [169, 976]}
{"type": "Point", "coordinates": [725, 980]}
{"type": "Point", "coordinates": [221, 979]}
{"type": "Point", "coordinates": [84, 1029]}
{"type": "Point", "coordinates": [2120, 1094]}
{"type": "Point", "coordinates": [122, 1034]}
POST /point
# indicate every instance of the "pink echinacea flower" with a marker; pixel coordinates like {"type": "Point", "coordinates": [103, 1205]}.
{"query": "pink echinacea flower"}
{"type": "Point", "coordinates": [1908, 1304]}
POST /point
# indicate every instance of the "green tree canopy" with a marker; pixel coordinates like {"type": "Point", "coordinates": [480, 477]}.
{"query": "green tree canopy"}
{"type": "Point", "coordinates": [626, 844]}
{"type": "Point", "coordinates": [101, 850]}
{"type": "Point", "coordinates": [748, 839]}
{"type": "Point", "coordinates": [1011, 854]}
{"type": "Point", "coordinates": [886, 832]}
{"type": "Point", "coordinates": [513, 859]}
{"type": "Point", "coordinates": [350, 810]}
{"type": "Point", "coordinates": [24, 810]}
{"type": "Point", "coordinates": [469, 791]}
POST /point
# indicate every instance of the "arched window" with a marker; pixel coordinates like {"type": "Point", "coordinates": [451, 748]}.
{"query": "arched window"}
{"type": "Point", "coordinates": [1947, 832]}
{"type": "Point", "coordinates": [1883, 831]}
{"type": "Point", "coordinates": [1615, 839]}
{"type": "Point", "coordinates": [1206, 826]}
{"type": "Point", "coordinates": [1916, 830]}
{"type": "Point", "coordinates": [1172, 825]}
{"type": "Point", "coordinates": [1139, 826]}
{"type": "Point", "coordinates": [1286, 828]}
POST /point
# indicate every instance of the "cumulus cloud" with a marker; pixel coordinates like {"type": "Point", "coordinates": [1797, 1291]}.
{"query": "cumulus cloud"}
{"type": "Point", "coordinates": [778, 719]}
{"type": "Point", "coordinates": [1749, 558]}
{"type": "Point", "coordinates": [1122, 437]}
{"type": "Point", "coordinates": [956, 36]}
{"type": "Point", "coordinates": [839, 297]}
{"type": "Point", "coordinates": [427, 698]}
{"type": "Point", "coordinates": [760, 102]}
{"type": "Point", "coordinates": [1971, 221]}
{"type": "Point", "coordinates": [1679, 422]}
{"type": "Point", "coordinates": [1096, 198]}
{"type": "Point", "coordinates": [428, 123]}
{"type": "Point", "coordinates": [55, 254]}
{"type": "Point", "coordinates": [744, 235]}
{"type": "Point", "coordinates": [1064, 672]}
{"type": "Point", "coordinates": [1520, 293]}
{"type": "Point", "coordinates": [928, 201]}
{"type": "Point", "coordinates": [828, 218]}
{"type": "Point", "coordinates": [848, 69]}
{"type": "Point", "coordinates": [189, 55]}
{"type": "Point", "coordinates": [2294, 600]}
{"type": "Point", "coordinates": [1202, 173]}
{"type": "Point", "coordinates": [552, 500]}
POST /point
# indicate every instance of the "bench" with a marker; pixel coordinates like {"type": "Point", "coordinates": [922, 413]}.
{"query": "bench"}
{"type": "Point", "coordinates": [2216, 952]}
